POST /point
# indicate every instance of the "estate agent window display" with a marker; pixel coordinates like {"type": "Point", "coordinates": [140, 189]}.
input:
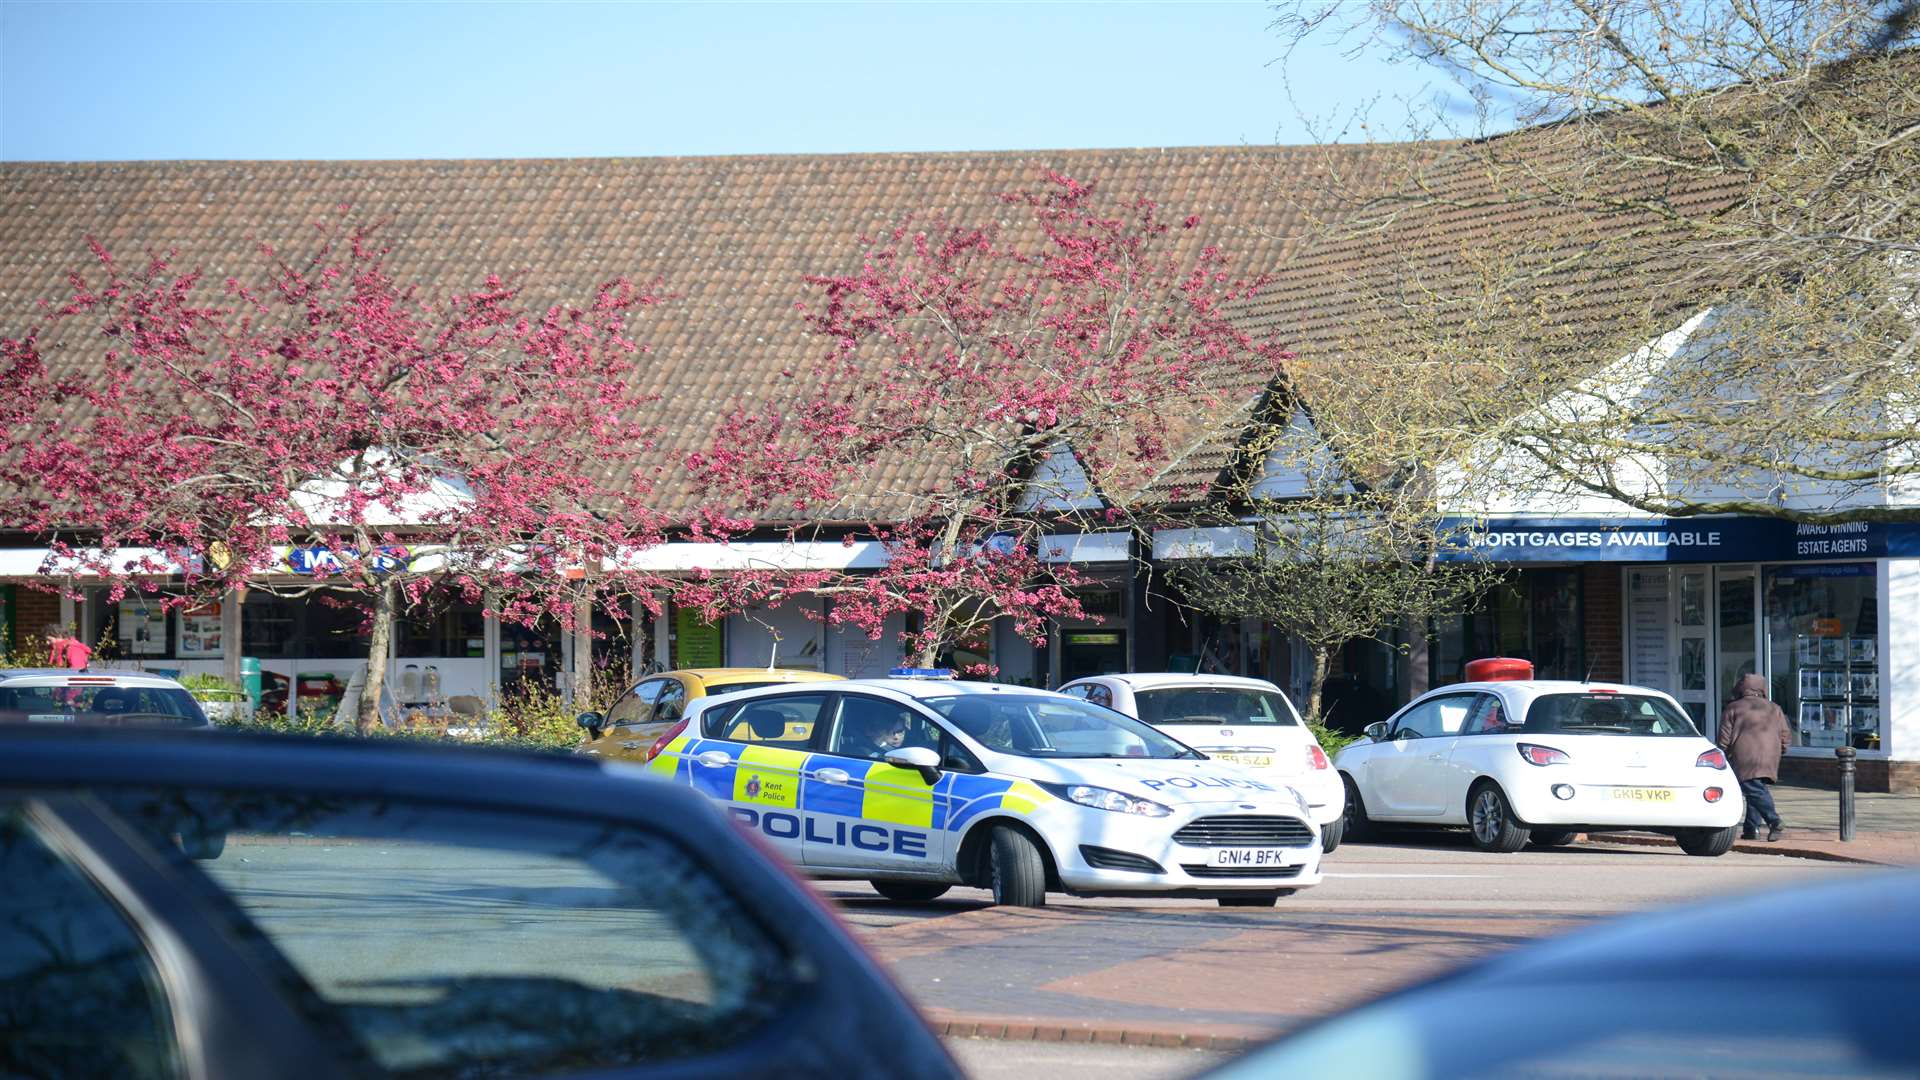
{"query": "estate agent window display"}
{"type": "Point", "coordinates": [1823, 625]}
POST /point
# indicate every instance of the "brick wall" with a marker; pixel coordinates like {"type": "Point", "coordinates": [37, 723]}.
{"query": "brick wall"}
{"type": "Point", "coordinates": [32, 611]}
{"type": "Point", "coordinates": [1600, 597]}
{"type": "Point", "coordinates": [1869, 774]}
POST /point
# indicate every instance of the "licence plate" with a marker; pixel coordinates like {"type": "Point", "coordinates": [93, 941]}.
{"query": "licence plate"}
{"type": "Point", "coordinates": [1640, 794]}
{"type": "Point", "coordinates": [1250, 856]}
{"type": "Point", "coordinates": [1258, 761]}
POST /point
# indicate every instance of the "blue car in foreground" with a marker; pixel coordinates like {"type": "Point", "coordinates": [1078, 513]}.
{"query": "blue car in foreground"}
{"type": "Point", "coordinates": [247, 906]}
{"type": "Point", "coordinates": [1811, 982]}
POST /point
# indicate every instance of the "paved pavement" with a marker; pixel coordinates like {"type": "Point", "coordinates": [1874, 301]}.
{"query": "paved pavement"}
{"type": "Point", "coordinates": [998, 1059]}
{"type": "Point", "coordinates": [1173, 973]}
{"type": "Point", "coordinates": [1886, 828]}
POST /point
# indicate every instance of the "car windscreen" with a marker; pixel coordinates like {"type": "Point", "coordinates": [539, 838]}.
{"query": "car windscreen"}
{"type": "Point", "coordinates": [94, 705]}
{"type": "Point", "coordinates": [1032, 725]}
{"type": "Point", "coordinates": [1213, 705]}
{"type": "Point", "coordinates": [1606, 714]}
{"type": "Point", "coordinates": [446, 941]}
{"type": "Point", "coordinates": [736, 687]}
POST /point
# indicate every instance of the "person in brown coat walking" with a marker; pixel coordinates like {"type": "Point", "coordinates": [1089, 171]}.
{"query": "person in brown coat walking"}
{"type": "Point", "coordinates": [1753, 732]}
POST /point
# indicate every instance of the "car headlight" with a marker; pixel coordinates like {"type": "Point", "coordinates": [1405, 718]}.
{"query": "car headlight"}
{"type": "Point", "coordinates": [1106, 799]}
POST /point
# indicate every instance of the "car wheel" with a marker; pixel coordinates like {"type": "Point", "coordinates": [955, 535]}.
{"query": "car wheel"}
{"type": "Point", "coordinates": [911, 892]}
{"type": "Point", "coordinates": [1262, 899]}
{"type": "Point", "coordinates": [1492, 821]}
{"type": "Point", "coordinates": [1019, 875]}
{"type": "Point", "coordinates": [1354, 826]}
{"type": "Point", "coordinates": [205, 844]}
{"type": "Point", "coordinates": [1552, 837]}
{"type": "Point", "coordinates": [1332, 832]}
{"type": "Point", "coordinates": [1707, 843]}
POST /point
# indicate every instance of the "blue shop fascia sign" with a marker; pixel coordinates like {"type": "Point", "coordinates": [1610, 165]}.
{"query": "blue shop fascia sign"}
{"type": "Point", "coordinates": [1677, 540]}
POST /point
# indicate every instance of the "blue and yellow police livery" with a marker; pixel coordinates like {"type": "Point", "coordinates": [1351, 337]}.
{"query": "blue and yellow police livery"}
{"type": "Point", "coordinates": [918, 785]}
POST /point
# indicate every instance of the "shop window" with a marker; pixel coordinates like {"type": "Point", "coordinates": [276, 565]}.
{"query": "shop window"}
{"type": "Point", "coordinates": [1538, 616]}
{"type": "Point", "coordinates": [1823, 627]}
{"type": "Point", "coordinates": [441, 627]}
{"type": "Point", "coordinates": [306, 628]}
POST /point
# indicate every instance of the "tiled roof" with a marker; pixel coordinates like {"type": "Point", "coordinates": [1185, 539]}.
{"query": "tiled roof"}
{"type": "Point", "coordinates": [1388, 294]}
{"type": "Point", "coordinates": [730, 236]}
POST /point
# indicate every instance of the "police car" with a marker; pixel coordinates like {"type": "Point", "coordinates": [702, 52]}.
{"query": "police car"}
{"type": "Point", "coordinates": [918, 784]}
{"type": "Point", "coordinates": [1520, 760]}
{"type": "Point", "coordinates": [1247, 722]}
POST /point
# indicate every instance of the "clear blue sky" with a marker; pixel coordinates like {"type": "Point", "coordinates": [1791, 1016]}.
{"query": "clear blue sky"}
{"type": "Point", "coordinates": [129, 81]}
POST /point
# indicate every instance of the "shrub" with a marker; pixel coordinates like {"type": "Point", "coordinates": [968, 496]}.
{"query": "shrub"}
{"type": "Point", "coordinates": [1330, 740]}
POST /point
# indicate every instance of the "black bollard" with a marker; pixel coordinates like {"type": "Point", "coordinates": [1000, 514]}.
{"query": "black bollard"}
{"type": "Point", "coordinates": [1845, 754]}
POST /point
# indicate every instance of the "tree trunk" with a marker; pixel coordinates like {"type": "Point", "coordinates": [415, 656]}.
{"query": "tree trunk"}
{"type": "Point", "coordinates": [230, 635]}
{"type": "Point", "coordinates": [582, 652]}
{"type": "Point", "coordinates": [1321, 657]}
{"type": "Point", "coordinates": [368, 715]}
{"type": "Point", "coordinates": [929, 653]}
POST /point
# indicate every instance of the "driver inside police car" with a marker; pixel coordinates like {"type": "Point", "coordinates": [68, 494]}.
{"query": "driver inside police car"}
{"type": "Point", "coordinates": [872, 733]}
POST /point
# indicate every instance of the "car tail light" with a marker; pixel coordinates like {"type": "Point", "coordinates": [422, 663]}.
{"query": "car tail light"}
{"type": "Point", "coordinates": [1713, 794]}
{"type": "Point", "coordinates": [660, 743]}
{"type": "Point", "coordinates": [1316, 757]}
{"type": "Point", "coordinates": [1543, 755]}
{"type": "Point", "coordinates": [1712, 759]}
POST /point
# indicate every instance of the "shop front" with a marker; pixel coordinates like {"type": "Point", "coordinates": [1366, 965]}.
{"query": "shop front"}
{"type": "Point", "coordinates": [1828, 615]}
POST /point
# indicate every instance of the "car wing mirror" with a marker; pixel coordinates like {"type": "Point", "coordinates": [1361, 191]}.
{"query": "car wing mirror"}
{"type": "Point", "coordinates": [1377, 731]}
{"type": "Point", "coordinates": [593, 722]}
{"type": "Point", "coordinates": [926, 760]}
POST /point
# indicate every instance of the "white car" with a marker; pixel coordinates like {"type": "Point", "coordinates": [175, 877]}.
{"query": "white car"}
{"type": "Point", "coordinates": [97, 698]}
{"type": "Point", "coordinates": [1532, 760]}
{"type": "Point", "coordinates": [1248, 722]}
{"type": "Point", "coordinates": [918, 785]}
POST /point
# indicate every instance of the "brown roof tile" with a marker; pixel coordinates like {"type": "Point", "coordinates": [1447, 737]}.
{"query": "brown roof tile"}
{"type": "Point", "coordinates": [730, 236]}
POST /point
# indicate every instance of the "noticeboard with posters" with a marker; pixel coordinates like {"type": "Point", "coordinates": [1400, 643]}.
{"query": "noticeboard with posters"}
{"type": "Point", "coordinates": [200, 633]}
{"type": "Point", "coordinates": [143, 627]}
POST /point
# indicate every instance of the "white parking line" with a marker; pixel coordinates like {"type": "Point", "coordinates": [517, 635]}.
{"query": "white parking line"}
{"type": "Point", "coordinates": [1330, 873]}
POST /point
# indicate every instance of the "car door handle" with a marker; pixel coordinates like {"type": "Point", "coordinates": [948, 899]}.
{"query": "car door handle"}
{"type": "Point", "coordinates": [1436, 757]}
{"type": "Point", "coordinates": [629, 746]}
{"type": "Point", "coordinates": [831, 776]}
{"type": "Point", "coordinates": [714, 759]}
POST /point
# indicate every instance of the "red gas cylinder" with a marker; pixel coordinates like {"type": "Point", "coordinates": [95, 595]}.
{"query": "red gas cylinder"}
{"type": "Point", "coordinates": [1499, 669]}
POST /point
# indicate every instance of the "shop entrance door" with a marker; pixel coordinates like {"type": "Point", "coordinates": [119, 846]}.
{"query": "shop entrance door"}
{"type": "Point", "coordinates": [1693, 640]}
{"type": "Point", "coordinates": [1091, 652]}
{"type": "Point", "coordinates": [1736, 634]}
{"type": "Point", "coordinates": [1649, 628]}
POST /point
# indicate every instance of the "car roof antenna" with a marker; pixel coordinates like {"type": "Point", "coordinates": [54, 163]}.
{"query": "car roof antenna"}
{"type": "Point", "coordinates": [1201, 657]}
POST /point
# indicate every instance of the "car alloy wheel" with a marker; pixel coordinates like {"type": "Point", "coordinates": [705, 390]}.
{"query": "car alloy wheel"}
{"type": "Point", "coordinates": [1493, 824]}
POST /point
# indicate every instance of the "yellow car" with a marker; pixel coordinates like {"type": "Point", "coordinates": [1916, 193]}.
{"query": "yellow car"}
{"type": "Point", "coordinates": [656, 703]}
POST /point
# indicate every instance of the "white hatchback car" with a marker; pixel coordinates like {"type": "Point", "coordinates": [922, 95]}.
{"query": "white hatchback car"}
{"type": "Point", "coordinates": [918, 785]}
{"type": "Point", "coordinates": [1248, 722]}
{"type": "Point", "coordinates": [1519, 760]}
{"type": "Point", "coordinates": [92, 698]}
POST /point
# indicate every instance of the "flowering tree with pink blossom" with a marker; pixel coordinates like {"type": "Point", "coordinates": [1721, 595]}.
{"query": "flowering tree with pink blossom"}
{"type": "Point", "coordinates": [323, 416]}
{"type": "Point", "coordinates": [979, 389]}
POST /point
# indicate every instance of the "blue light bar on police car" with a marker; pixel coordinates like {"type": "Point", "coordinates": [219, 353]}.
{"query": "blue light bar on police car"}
{"type": "Point", "coordinates": [920, 673]}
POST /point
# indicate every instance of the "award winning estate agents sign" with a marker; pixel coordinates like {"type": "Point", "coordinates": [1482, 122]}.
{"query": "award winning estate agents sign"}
{"type": "Point", "coordinates": [1691, 540]}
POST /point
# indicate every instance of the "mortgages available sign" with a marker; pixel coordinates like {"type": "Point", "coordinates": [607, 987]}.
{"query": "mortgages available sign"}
{"type": "Point", "coordinates": [1675, 540]}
